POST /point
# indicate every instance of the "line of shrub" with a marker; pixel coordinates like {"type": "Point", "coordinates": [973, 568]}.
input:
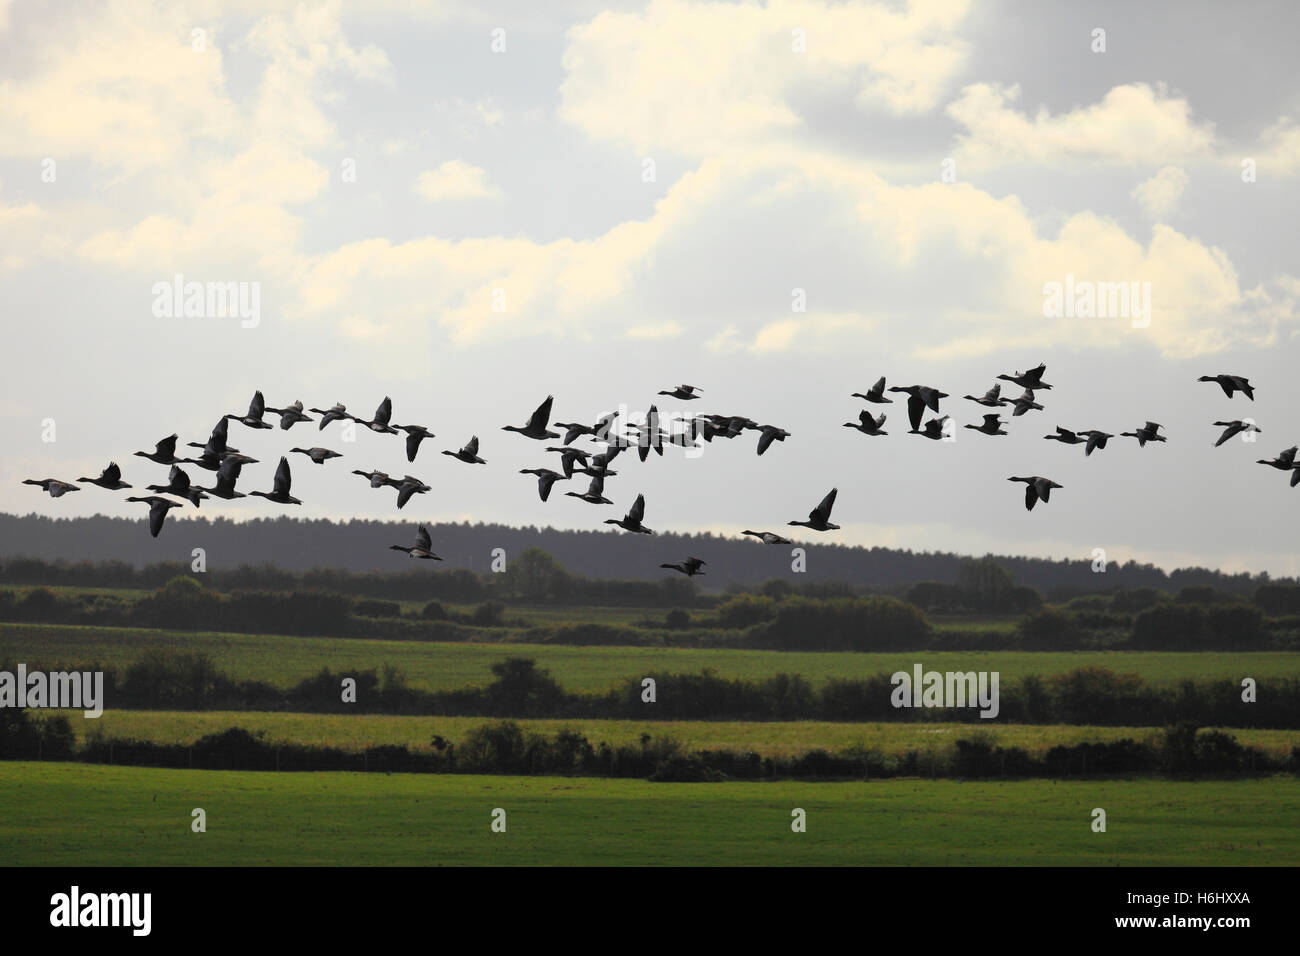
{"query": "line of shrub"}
{"type": "Point", "coordinates": [160, 680]}
{"type": "Point", "coordinates": [505, 747]}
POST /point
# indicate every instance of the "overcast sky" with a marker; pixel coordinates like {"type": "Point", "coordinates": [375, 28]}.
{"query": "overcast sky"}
{"type": "Point", "coordinates": [469, 206]}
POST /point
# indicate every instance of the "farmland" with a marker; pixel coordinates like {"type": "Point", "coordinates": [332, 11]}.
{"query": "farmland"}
{"type": "Point", "coordinates": [67, 814]}
{"type": "Point", "coordinates": [283, 660]}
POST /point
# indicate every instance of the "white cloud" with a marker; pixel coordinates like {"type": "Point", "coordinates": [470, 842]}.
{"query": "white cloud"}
{"type": "Point", "coordinates": [1280, 148]}
{"type": "Point", "coordinates": [455, 179]}
{"type": "Point", "coordinates": [691, 77]}
{"type": "Point", "coordinates": [1131, 125]}
{"type": "Point", "coordinates": [1159, 195]}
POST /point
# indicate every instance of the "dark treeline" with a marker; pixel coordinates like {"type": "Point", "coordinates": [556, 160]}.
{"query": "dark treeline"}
{"type": "Point", "coordinates": [362, 546]}
{"type": "Point", "coordinates": [503, 747]}
{"type": "Point", "coordinates": [764, 621]}
{"type": "Point", "coordinates": [1091, 696]}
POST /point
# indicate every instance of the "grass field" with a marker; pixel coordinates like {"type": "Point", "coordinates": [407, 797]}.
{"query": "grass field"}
{"type": "Point", "coordinates": [286, 660]}
{"type": "Point", "coordinates": [767, 738]}
{"type": "Point", "coordinates": [69, 814]}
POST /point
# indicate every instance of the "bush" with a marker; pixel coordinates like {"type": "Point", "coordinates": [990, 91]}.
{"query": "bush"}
{"type": "Point", "coordinates": [677, 619]}
{"type": "Point", "coordinates": [377, 609]}
{"type": "Point", "coordinates": [433, 611]}
{"type": "Point", "coordinates": [1048, 629]}
{"type": "Point", "coordinates": [686, 769]}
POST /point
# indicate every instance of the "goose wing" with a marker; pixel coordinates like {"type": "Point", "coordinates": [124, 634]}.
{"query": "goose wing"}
{"type": "Point", "coordinates": [539, 418]}
{"type": "Point", "coordinates": [384, 412]}
{"type": "Point", "coordinates": [915, 409]}
{"type": "Point", "coordinates": [637, 511]}
{"type": "Point", "coordinates": [112, 474]}
{"type": "Point", "coordinates": [1031, 496]}
{"type": "Point", "coordinates": [822, 513]}
{"type": "Point", "coordinates": [471, 446]}
{"type": "Point", "coordinates": [257, 406]}
{"type": "Point", "coordinates": [283, 479]}
{"type": "Point", "coordinates": [158, 509]}
{"type": "Point", "coordinates": [166, 448]}
{"type": "Point", "coordinates": [765, 440]}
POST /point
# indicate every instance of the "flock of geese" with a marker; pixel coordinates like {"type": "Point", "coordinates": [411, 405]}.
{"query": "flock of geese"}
{"type": "Point", "coordinates": [218, 456]}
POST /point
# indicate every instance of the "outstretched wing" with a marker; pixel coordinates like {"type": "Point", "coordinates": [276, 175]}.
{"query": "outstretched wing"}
{"type": "Point", "coordinates": [915, 409]}
{"type": "Point", "coordinates": [1031, 496]}
{"type": "Point", "coordinates": [992, 421]}
{"type": "Point", "coordinates": [471, 447]}
{"type": "Point", "coordinates": [413, 440]}
{"type": "Point", "coordinates": [637, 512]}
{"type": "Point", "coordinates": [166, 448]}
{"type": "Point", "coordinates": [157, 512]}
{"type": "Point", "coordinates": [385, 411]}
{"type": "Point", "coordinates": [257, 406]}
{"type": "Point", "coordinates": [283, 480]}
{"type": "Point", "coordinates": [542, 415]}
{"type": "Point", "coordinates": [765, 441]}
{"type": "Point", "coordinates": [422, 539]}
{"type": "Point", "coordinates": [822, 512]}
{"type": "Point", "coordinates": [112, 473]}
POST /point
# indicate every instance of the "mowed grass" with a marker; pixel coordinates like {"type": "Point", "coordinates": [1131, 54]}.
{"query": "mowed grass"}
{"type": "Point", "coordinates": [284, 661]}
{"type": "Point", "coordinates": [768, 738]}
{"type": "Point", "coordinates": [78, 815]}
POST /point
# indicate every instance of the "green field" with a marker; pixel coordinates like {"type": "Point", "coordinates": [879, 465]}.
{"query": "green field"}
{"type": "Point", "coordinates": [767, 738]}
{"type": "Point", "coordinates": [284, 660]}
{"type": "Point", "coordinates": [76, 815]}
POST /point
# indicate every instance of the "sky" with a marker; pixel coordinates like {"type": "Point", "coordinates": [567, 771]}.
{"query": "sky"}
{"type": "Point", "coordinates": [470, 206]}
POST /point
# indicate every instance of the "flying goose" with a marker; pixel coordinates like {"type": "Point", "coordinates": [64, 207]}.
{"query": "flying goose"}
{"type": "Point", "coordinates": [990, 399]}
{"type": "Point", "coordinates": [1096, 439]}
{"type": "Point", "coordinates": [110, 478]}
{"type": "Point", "coordinates": [769, 434]}
{"type": "Point", "coordinates": [1235, 427]}
{"type": "Point", "coordinates": [380, 422]}
{"type": "Point", "coordinates": [1230, 384]}
{"type": "Point", "coordinates": [290, 415]}
{"type": "Point", "coordinates": [1036, 489]}
{"type": "Point", "coordinates": [934, 429]}
{"type": "Point", "coordinates": [378, 479]}
{"type": "Point", "coordinates": [214, 450]}
{"type": "Point", "coordinates": [178, 484]}
{"type": "Point", "coordinates": [227, 475]}
{"type": "Point", "coordinates": [992, 426]}
{"type": "Point", "coordinates": [875, 394]}
{"type": "Point", "coordinates": [414, 435]}
{"type": "Point", "coordinates": [545, 479]}
{"type": "Point", "coordinates": [568, 456]}
{"type": "Point", "coordinates": [1285, 460]}
{"type": "Point", "coordinates": [535, 427]}
{"type": "Point", "coordinates": [410, 486]}
{"type": "Point", "coordinates": [327, 415]}
{"type": "Point", "coordinates": [280, 491]}
{"type": "Point", "coordinates": [690, 567]}
{"type": "Point", "coordinates": [422, 548]}
{"type": "Point", "coordinates": [868, 425]}
{"type": "Point", "coordinates": [683, 392]}
{"type": "Point", "coordinates": [595, 493]}
{"type": "Point", "coordinates": [1023, 404]}
{"type": "Point", "coordinates": [158, 508]}
{"type": "Point", "coordinates": [1146, 433]}
{"type": "Point", "coordinates": [632, 520]}
{"type": "Point", "coordinates": [317, 454]}
{"type": "Point", "coordinates": [767, 537]}
{"type": "Point", "coordinates": [55, 487]}
{"type": "Point", "coordinates": [1031, 380]}
{"type": "Point", "coordinates": [468, 454]}
{"type": "Point", "coordinates": [1065, 437]}
{"type": "Point", "coordinates": [649, 435]}
{"type": "Point", "coordinates": [598, 431]}
{"type": "Point", "coordinates": [164, 452]}
{"type": "Point", "coordinates": [920, 397]}
{"type": "Point", "coordinates": [256, 409]}
{"type": "Point", "coordinates": [819, 517]}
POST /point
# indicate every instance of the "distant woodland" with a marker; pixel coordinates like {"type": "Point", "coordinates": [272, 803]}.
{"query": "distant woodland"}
{"type": "Point", "coordinates": [362, 546]}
